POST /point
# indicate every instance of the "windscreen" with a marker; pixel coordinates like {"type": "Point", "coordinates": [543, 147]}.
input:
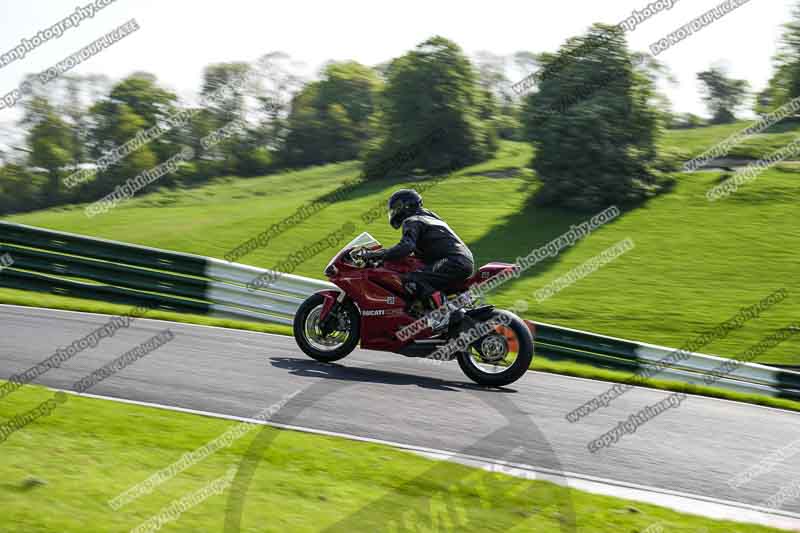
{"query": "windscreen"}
{"type": "Point", "coordinates": [365, 239]}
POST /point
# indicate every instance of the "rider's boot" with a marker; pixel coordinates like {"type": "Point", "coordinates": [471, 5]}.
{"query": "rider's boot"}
{"type": "Point", "coordinates": [439, 311]}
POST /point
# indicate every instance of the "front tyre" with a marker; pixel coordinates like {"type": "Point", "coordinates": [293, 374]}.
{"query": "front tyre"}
{"type": "Point", "coordinates": [337, 344]}
{"type": "Point", "coordinates": [502, 356]}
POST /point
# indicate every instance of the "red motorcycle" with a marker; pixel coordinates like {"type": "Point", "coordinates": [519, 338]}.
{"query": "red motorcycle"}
{"type": "Point", "coordinates": [493, 347]}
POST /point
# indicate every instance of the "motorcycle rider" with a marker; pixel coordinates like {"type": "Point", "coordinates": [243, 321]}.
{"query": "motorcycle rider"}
{"type": "Point", "coordinates": [447, 259]}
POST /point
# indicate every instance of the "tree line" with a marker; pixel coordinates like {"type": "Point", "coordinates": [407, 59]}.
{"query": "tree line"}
{"type": "Point", "coordinates": [594, 114]}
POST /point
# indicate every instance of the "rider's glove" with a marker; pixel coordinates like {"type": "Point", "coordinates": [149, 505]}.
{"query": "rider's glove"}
{"type": "Point", "coordinates": [373, 256]}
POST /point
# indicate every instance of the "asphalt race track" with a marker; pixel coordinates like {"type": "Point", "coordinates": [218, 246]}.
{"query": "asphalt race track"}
{"type": "Point", "coordinates": [695, 448]}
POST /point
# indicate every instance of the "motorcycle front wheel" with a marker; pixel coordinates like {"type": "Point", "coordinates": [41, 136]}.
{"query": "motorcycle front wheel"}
{"type": "Point", "coordinates": [335, 345]}
{"type": "Point", "coordinates": [502, 356]}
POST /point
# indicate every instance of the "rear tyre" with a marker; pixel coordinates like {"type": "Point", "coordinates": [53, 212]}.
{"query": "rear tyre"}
{"type": "Point", "coordinates": [502, 356]}
{"type": "Point", "coordinates": [334, 346]}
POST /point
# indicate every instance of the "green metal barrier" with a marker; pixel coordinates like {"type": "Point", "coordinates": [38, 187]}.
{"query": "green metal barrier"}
{"type": "Point", "coordinates": [117, 252]}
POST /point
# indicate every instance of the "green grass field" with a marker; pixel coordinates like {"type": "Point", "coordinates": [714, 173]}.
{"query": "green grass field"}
{"type": "Point", "coordinates": [694, 265]}
{"type": "Point", "coordinates": [693, 142]}
{"type": "Point", "coordinates": [59, 473]}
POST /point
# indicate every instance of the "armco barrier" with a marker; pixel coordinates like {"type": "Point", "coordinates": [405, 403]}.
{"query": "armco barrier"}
{"type": "Point", "coordinates": [640, 355]}
{"type": "Point", "coordinates": [185, 283]}
{"type": "Point", "coordinates": [131, 274]}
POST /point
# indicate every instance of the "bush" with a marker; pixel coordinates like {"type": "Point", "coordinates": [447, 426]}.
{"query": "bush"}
{"type": "Point", "coordinates": [20, 189]}
{"type": "Point", "coordinates": [255, 162]}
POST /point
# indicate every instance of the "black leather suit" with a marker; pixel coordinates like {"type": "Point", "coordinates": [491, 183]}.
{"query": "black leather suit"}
{"type": "Point", "coordinates": [447, 259]}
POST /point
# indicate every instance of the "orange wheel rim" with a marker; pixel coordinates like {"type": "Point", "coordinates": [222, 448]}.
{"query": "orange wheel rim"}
{"type": "Point", "coordinates": [511, 338]}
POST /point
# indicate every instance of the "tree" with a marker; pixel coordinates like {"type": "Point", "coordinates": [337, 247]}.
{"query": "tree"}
{"type": "Point", "coordinates": [491, 69]}
{"type": "Point", "coordinates": [224, 91]}
{"type": "Point", "coordinates": [784, 85]}
{"type": "Point", "coordinates": [135, 104]}
{"type": "Point", "coordinates": [20, 189]}
{"type": "Point", "coordinates": [723, 95]}
{"type": "Point", "coordinates": [141, 93]}
{"type": "Point", "coordinates": [774, 95]}
{"type": "Point", "coordinates": [330, 118]}
{"type": "Point", "coordinates": [117, 123]}
{"type": "Point", "coordinates": [50, 141]}
{"type": "Point", "coordinates": [433, 88]}
{"type": "Point", "coordinates": [593, 124]}
{"type": "Point", "coordinates": [276, 85]}
{"type": "Point", "coordinates": [501, 102]}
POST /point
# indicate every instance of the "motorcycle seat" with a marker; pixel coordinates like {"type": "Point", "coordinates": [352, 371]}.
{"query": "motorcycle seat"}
{"type": "Point", "coordinates": [484, 273]}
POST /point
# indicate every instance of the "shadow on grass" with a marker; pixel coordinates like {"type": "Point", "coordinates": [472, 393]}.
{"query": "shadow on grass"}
{"type": "Point", "coordinates": [26, 485]}
{"type": "Point", "coordinates": [534, 226]}
{"type": "Point", "coordinates": [380, 187]}
{"type": "Point", "coordinates": [523, 231]}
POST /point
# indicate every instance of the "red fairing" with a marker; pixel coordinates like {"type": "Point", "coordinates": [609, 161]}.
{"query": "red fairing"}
{"type": "Point", "coordinates": [379, 294]}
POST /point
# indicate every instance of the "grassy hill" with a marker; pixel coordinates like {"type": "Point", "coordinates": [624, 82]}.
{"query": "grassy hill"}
{"type": "Point", "coordinates": [694, 265]}
{"type": "Point", "coordinates": [693, 142]}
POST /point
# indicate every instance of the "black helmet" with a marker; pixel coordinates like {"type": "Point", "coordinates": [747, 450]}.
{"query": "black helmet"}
{"type": "Point", "coordinates": [402, 205]}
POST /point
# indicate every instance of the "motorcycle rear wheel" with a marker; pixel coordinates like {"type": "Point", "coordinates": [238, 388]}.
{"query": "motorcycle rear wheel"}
{"type": "Point", "coordinates": [501, 357]}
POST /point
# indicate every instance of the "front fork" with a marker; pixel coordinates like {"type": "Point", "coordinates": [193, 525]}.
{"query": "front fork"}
{"type": "Point", "coordinates": [327, 318]}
